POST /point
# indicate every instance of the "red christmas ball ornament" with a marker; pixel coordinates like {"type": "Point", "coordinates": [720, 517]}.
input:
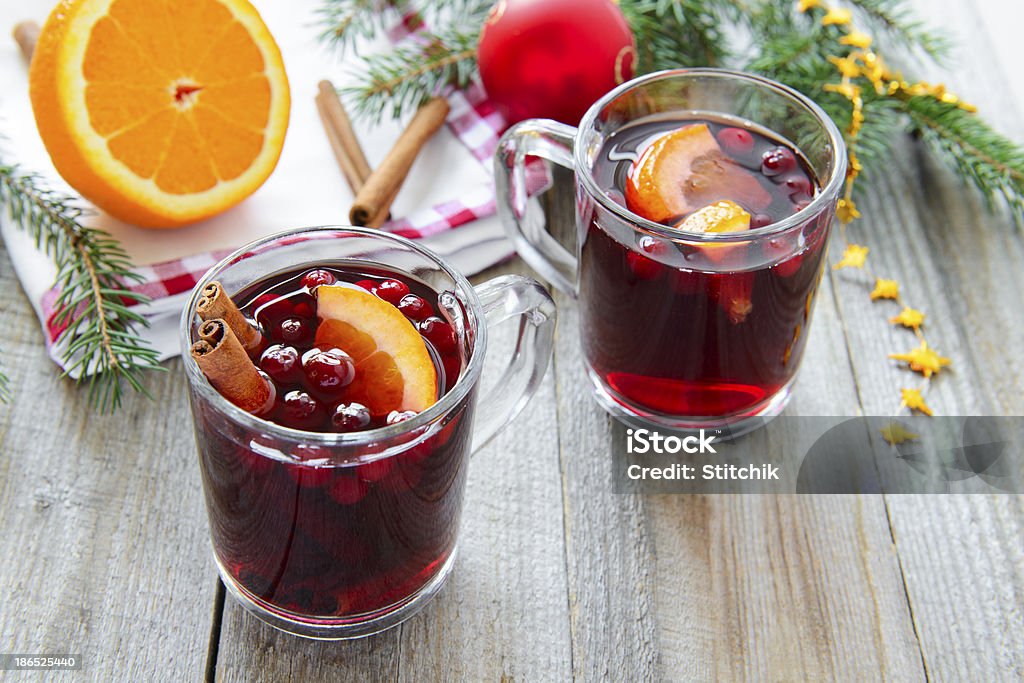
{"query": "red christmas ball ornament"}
{"type": "Point", "coordinates": [553, 58]}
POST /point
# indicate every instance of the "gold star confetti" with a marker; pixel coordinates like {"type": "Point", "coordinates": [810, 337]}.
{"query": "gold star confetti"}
{"type": "Point", "coordinates": [923, 360]}
{"type": "Point", "coordinates": [846, 210]}
{"type": "Point", "coordinates": [854, 257]}
{"type": "Point", "coordinates": [885, 289]}
{"type": "Point", "coordinates": [912, 398]}
{"type": "Point", "coordinates": [808, 4]}
{"type": "Point", "coordinates": [896, 433]}
{"type": "Point", "coordinates": [908, 317]}
{"type": "Point", "coordinates": [837, 17]}
{"type": "Point", "coordinates": [847, 67]}
{"type": "Point", "coordinates": [856, 39]}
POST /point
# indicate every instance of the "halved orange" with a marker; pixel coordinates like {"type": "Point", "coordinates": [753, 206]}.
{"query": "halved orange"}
{"type": "Point", "coordinates": [684, 170]}
{"type": "Point", "coordinates": [394, 370]}
{"type": "Point", "coordinates": [161, 113]}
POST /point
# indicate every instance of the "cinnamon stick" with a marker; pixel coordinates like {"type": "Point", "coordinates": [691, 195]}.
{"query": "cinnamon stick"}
{"type": "Point", "coordinates": [380, 189]}
{"type": "Point", "coordinates": [225, 363]}
{"type": "Point", "coordinates": [215, 303]}
{"type": "Point", "coordinates": [339, 125]}
{"type": "Point", "coordinates": [26, 33]}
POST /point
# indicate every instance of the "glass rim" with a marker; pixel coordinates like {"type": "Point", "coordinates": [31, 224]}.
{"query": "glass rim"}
{"type": "Point", "coordinates": [816, 206]}
{"type": "Point", "coordinates": [467, 379]}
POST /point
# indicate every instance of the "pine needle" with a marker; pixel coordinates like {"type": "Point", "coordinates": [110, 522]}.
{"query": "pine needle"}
{"type": "Point", "coordinates": [93, 274]}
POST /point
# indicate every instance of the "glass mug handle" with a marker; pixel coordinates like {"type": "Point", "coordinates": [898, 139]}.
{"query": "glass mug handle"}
{"type": "Point", "coordinates": [524, 221]}
{"type": "Point", "coordinates": [503, 298]}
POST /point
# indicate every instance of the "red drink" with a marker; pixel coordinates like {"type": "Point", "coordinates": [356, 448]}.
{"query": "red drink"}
{"type": "Point", "coordinates": [685, 328]}
{"type": "Point", "coordinates": [298, 531]}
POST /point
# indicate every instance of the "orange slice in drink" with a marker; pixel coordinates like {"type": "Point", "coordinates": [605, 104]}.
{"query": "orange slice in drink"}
{"type": "Point", "coordinates": [684, 170]}
{"type": "Point", "coordinates": [161, 113]}
{"type": "Point", "coordinates": [394, 370]}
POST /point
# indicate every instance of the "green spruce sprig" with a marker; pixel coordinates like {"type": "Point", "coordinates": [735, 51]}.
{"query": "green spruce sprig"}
{"type": "Point", "coordinates": [93, 274]}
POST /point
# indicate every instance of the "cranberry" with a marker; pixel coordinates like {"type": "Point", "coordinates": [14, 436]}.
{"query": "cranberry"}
{"type": "Point", "coordinates": [376, 470]}
{"type": "Point", "coordinates": [777, 161]}
{"type": "Point", "coordinates": [415, 307]}
{"type": "Point", "coordinates": [270, 308]}
{"type": "Point", "coordinates": [315, 278]}
{"type": "Point", "coordinates": [281, 363]}
{"type": "Point", "coordinates": [293, 330]}
{"type": "Point", "coordinates": [368, 285]}
{"type": "Point", "coordinates": [328, 372]}
{"type": "Point", "coordinates": [347, 490]}
{"type": "Point", "coordinates": [303, 310]}
{"type": "Point", "coordinates": [301, 410]}
{"type": "Point", "coordinates": [642, 267]}
{"type": "Point", "coordinates": [452, 370]}
{"type": "Point", "coordinates": [439, 333]}
{"type": "Point", "coordinates": [391, 291]}
{"type": "Point", "coordinates": [781, 249]}
{"type": "Point", "coordinates": [395, 416]}
{"type": "Point", "coordinates": [350, 417]}
{"type": "Point", "coordinates": [736, 141]}
{"type": "Point", "coordinates": [759, 220]}
{"type": "Point", "coordinates": [798, 183]}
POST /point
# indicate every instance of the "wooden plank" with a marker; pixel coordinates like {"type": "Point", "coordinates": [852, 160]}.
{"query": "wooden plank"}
{"type": "Point", "coordinates": [104, 551]}
{"type": "Point", "coordinates": [960, 556]}
{"type": "Point", "coordinates": [503, 614]}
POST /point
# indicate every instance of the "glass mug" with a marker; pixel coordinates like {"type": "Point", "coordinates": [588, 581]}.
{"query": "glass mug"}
{"type": "Point", "coordinates": [673, 334]}
{"type": "Point", "coordinates": [292, 541]}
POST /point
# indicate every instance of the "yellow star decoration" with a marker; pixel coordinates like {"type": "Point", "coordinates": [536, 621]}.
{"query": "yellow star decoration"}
{"type": "Point", "coordinates": [923, 360]}
{"type": "Point", "coordinates": [912, 398]}
{"type": "Point", "coordinates": [837, 17]}
{"type": "Point", "coordinates": [846, 210]}
{"type": "Point", "coordinates": [847, 66]}
{"type": "Point", "coordinates": [908, 317]}
{"type": "Point", "coordinates": [896, 433]}
{"type": "Point", "coordinates": [854, 257]}
{"type": "Point", "coordinates": [885, 289]}
{"type": "Point", "coordinates": [808, 4]}
{"type": "Point", "coordinates": [856, 39]}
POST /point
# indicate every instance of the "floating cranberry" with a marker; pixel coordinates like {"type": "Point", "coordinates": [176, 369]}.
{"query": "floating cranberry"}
{"type": "Point", "coordinates": [642, 267]}
{"type": "Point", "coordinates": [759, 220]}
{"type": "Point", "coordinates": [293, 330]}
{"type": "Point", "coordinates": [798, 183]}
{"type": "Point", "coordinates": [781, 249]}
{"type": "Point", "coordinates": [303, 310]}
{"type": "Point", "coordinates": [350, 417]}
{"type": "Point", "coordinates": [452, 370]}
{"type": "Point", "coordinates": [777, 161]}
{"type": "Point", "coordinates": [376, 470]}
{"type": "Point", "coordinates": [315, 278]}
{"type": "Point", "coordinates": [268, 308]}
{"type": "Point", "coordinates": [368, 285]}
{"type": "Point", "coordinates": [301, 410]}
{"type": "Point", "coordinates": [328, 371]}
{"type": "Point", "coordinates": [391, 291]}
{"type": "Point", "coordinates": [439, 333]}
{"type": "Point", "coordinates": [736, 141]}
{"type": "Point", "coordinates": [282, 364]}
{"type": "Point", "coordinates": [415, 307]}
{"type": "Point", "coordinates": [396, 416]}
{"type": "Point", "coordinates": [347, 489]}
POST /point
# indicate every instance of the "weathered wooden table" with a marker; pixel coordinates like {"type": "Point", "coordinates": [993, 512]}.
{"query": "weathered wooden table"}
{"type": "Point", "coordinates": [104, 547]}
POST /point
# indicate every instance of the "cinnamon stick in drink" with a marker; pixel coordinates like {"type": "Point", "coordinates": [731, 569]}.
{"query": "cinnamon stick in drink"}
{"type": "Point", "coordinates": [225, 363]}
{"type": "Point", "coordinates": [215, 303]}
{"type": "Point", "coordinates": [376, 196]}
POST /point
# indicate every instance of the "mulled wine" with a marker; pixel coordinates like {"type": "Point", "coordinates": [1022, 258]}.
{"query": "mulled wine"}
{"type": "Point", "coordinates": [685, 327]}
{"type": "Point", "coordinates": [299, 531]}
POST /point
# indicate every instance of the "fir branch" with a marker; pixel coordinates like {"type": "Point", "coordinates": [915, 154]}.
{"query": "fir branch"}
{"type": "Point", "coordinates": [979, 155]}
{"type": "Point", "coordinates": [897, 22]}
{"type": "Point", "coordinates": [344, 21]}
{"type": "Point", "coordinates": [412, 73]}
{"type": "Point", "coordinates": [670, 34]}
{"type": "Point", "coordinates": [93, 272]}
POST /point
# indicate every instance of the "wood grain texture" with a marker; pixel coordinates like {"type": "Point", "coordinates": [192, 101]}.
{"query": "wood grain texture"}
{"type": "Point", "coordinates": [503, 614]}
{"type": "Point", "coordinates": [104, 549]}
